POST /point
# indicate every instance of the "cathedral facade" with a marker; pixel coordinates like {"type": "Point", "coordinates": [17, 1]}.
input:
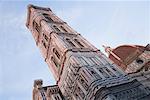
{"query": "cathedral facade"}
{"type": "Point", "coordinates": [81, 71]}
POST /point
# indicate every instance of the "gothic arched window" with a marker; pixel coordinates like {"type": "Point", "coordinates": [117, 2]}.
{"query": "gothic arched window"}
{"type": "Point", "coordinates": [57, 97]}
{"type": "Point", "coordinates": [56, 28]}
{"type": "Point", "coordinates": [44, 44]}
{"type": "Point", "coordinates": [78, 42]}
{"type": "Point", "coordinates": [46, 38]}
{"type": "Point", "coordinates": [55, 62]}
{"type": "Point", "coordinates": [48, 17]}
{"type": "Point", "coordinates": [70, 43]}
{"type": "Point", "coordinates": [95, 74]}
{"type": "Point", "coordinates": [116, 70]}
{"type": "Point", "coordinates": [110, 72]}
{"type": "Point", "coordinates": [36, 26]}
{"type": "Point", "coordinates": [83, 82]}
{"type": "Point", "coordinates": [56, 53]}
{"type": "Point", "coordinates": [63, 29]}
{"type": "Point", "coordinates": [101, 70]}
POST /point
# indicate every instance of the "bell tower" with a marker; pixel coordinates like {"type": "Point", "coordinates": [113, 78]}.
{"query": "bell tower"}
{"type": "Point", "coordinates": [81, 71]}
{"type": "Point", "coordinates": [54, 37]}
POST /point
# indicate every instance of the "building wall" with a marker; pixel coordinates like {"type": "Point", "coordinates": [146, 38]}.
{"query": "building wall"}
{"type": "Point", "coordinates": [139, 62]}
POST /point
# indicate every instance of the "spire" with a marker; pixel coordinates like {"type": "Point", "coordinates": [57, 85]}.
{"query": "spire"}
{"type": "Point", "coordinates": [108, 49]}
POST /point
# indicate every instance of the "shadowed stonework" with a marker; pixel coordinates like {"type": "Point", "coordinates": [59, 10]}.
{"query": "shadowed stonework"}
{"type": "Point", "coordinates": [81, 70]}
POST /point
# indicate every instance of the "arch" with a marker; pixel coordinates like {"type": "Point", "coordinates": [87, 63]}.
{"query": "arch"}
{"type": "Point", "coordinates": [102, 71]}
{"type": "Point", "coordinates": [47, 17]}
{"type": "Point", "coordinates": [56, 53]}
{"type": "Point", "coordinates": [36, 26]}
{"type": "Point", "coordinates": [79, 43]}
{"type": "Point", "coordinates": [55, 62]}
{"type": "Point", "coordinates": [70, 42]}
{"type": "Point", "coordinates": [63, 29]}
{"type": "Point", "coordinates": [44, 44]}
{"type": "Point", "coordinates": [56, 28]}
{"type": "Point", "coordinates": [45, 36]}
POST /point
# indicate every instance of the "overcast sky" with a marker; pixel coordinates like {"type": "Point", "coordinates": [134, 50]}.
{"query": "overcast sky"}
{"type": "Point", "coordinates": [108, 23]}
